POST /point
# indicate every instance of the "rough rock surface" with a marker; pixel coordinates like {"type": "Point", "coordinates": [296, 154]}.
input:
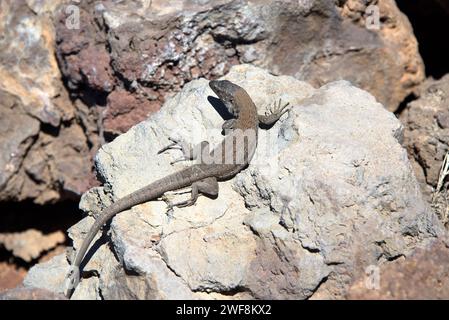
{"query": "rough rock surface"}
{"type": "Point", "coordinates": [424, 275]}
{"type": "Point", "coordinates": [45, 153]}
{"type": "Point", "coordinates": [329, 192]}
{"type": "Point", "coordinates": [126, 58]}
{"type": "Point", "coordinates": [144, 50]}
{"type": "Point", "coordinates": [22, 293]}
{"type": "Point", "coordinates": [426, 137]}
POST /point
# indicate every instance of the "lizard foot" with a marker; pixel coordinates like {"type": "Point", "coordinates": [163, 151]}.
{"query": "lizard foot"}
{"type": "Point", "coordinates": [200, 151]}
{"type": "Point", "coordinates": [170, 206]}
{"type": "Point", "coordinates": [186, 149]}
{"type": "Point", "coordinates": [274, 113]}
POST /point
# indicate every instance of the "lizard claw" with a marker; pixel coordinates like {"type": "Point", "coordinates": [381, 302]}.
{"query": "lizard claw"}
{"type": "Point", "coordinates": [276, 107]}
{"type": "Point", "coordinates": [279, 108]}
{"type": "Point", "coordinates": [169, 203]}
{"type": "Point", "coordinates": [170, 206]}
{"type": "Point", "coordinates": [274, 112]}
{"type": "Point", "coordinates": [175, 144]}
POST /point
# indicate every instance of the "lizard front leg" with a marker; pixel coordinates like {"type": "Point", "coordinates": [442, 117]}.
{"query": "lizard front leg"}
{"type": "Point", "coordinates": [188, 151]}
{"type": "Point", "coordinates": [228, 126]}
{"type": "Point", "coordinates": [274, 113]}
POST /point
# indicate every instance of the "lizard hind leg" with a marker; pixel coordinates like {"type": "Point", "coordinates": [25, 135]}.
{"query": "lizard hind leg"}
{"type": "Point", "coordinates": [208, 186]}
{"type": "Point", "coordinates": [188, 151]}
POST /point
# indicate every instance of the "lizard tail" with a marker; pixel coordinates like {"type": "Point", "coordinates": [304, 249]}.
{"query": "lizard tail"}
{"type": "Point", "coordinates": [137, 197]}
{"type": "Point", "coordinates": [152, 191]}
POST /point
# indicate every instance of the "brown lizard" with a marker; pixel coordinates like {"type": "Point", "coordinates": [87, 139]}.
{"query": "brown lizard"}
{"type": "Point", "coordinates": [224, 162]}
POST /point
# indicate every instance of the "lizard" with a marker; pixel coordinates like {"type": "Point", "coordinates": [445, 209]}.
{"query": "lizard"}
{"type": "Point", "coordinates": [221, 163]}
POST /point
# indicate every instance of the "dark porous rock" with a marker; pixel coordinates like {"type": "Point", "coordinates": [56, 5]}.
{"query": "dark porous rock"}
{"type": "Point", "coordinates": [423, 275]}
{"type": "Point", "coordinates": [426, 137]}
{"type": "Point", "coordinates": [45, 152]}
{"type": "Point", "coordinates": [155, 48]}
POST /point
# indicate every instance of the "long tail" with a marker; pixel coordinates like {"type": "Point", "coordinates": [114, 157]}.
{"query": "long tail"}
{"type": "Point", "coordinates": [156, 189]}
{"type": "Point", "coordinates": [142, 195]}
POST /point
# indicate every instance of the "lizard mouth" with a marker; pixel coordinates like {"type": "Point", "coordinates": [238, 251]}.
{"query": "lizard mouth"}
{"type": "Point", "coordinates": [215, 86]}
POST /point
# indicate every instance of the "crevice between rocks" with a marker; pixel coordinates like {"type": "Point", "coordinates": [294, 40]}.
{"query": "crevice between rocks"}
{"type": "Point", "coordinates": [403, 105]}
{"type": "Point", "coordinates": [429, 21]}
{"type": "Point", "coordinates": [322, 281]}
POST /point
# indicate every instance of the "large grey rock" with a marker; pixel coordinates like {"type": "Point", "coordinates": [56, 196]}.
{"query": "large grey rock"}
{"type": "Point", "coordinates": [329, 192]}
{"type": "Point", "coordinates": [48, 275]}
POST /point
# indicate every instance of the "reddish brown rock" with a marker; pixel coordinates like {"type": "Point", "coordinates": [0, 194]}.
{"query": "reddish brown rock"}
{"type": "Point", "coordinates": [82, 53]}
{"type": "Point", "coordinates": [125, 110]}
{"type": "Point", "coordinates": [155, 49]}
{"type": "Point", "coordinates": [424, 275]}
{"type": "Point", "coordinates": [45, 153]}
{"type": "Point", "coordinates": [398, 66]}
{"type": "Point", "coordinates": [426, 137]}
{"type": "Point", "coordinates": [10, 276]}
{"type": "Point", "coordinates": [21, 293]}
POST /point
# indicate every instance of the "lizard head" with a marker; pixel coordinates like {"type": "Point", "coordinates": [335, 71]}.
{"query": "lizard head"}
{"type": "Point", "coordinates": [227, 92]}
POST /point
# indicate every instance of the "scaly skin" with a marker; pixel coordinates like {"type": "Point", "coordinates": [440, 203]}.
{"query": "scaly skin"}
{"type": "Point", "coordinates": [230, 158]}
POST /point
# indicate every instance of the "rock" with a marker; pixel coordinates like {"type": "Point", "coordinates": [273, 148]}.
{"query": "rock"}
{"type": "Point", "coordinates": [45, 152]}
{"type": "Point", "coordinates": [17, 133]}
{"type": "Point", "coordinates": [426, 137]}
{"type": "Point", "coordinates": [59, 249]}
{"type": "Point", "coordinates": [30, 244]}
{"type": "Point", "coordinates": [22, 293]}
{"type": "Point", "coordinates": [125, 110]}
{"type": "Point", "coordinates": [29, 70]}
{"type": "Point", "coordinates": [329, 192]}
{"type": "Point", "coordinates": [129, 57]}
{"type": "Point", "coordinates": [10, 276]}
{"type": "Point", "coordinates": [421, 276]}
{"type": "Point", "coordinates": [64, 161]}
{"type": "Point", "coordinates": [138, 53]}
{"type": "Point", "coordinates": [48, 275]}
